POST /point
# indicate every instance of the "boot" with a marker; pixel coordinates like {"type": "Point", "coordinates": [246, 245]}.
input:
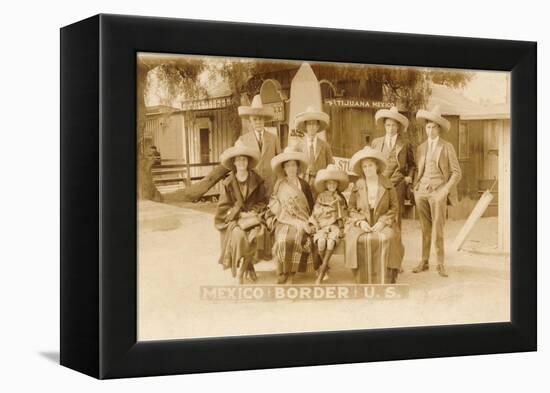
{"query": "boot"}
{"type": "Point", "coordinates": [252, 273]}
{"type": "Point", "coordinates": [240, 278]}
{"type": "Point", "coordinates": [421, 267]}
{"type": "Point", "coordinates": [321, 275]}
{"type": "Point", "coordinates": [324, 267]}
{"type": "Point", "coordinates": [441, 270]}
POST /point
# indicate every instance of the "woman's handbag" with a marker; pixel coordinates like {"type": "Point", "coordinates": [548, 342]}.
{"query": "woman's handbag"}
{"type": "Point", "coordinates": [249, 221]}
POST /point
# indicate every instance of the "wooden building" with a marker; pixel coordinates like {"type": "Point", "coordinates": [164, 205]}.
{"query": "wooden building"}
{"type": "Point", "coordinates": [190, 139]}
{"type": "Point", "coordinates": [479, 134]}
{"type": "Point", "coordinates": [193, 137]}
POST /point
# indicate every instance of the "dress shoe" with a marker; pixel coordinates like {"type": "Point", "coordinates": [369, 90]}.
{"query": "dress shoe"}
{"type": "Point", "coordinates": [441, 270]}
{"type": "Point", "coordinates": [421, 267]}
{"type": "Point", "coordinates": [393, 275]}
{"type": "Point", "coordinates": [290, 279]}
{"type": "Point", "coordinates": [282, 278]}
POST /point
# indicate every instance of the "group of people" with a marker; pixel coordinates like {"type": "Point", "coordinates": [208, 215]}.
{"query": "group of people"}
{"type": "Point", "coordinates": [289, 205]}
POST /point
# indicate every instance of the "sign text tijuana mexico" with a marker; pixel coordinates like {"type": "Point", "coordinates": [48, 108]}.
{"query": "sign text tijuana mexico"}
{"type": "Point", "coordinates": [358, 103]}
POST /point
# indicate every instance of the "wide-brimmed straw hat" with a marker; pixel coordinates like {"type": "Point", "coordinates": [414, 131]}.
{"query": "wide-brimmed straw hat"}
{"type": "Point", "coordinates": [227, 158]}
{"type": "Point", "coordinates": [257, 108]}
{"type": "Point", "coordinates": [290, 153]}
{"type": "Point", "coordinates": [366, 152]}
{"type": "Point", "coordinates": [392, 113]}
{"type": "Point", "coordinates": [435, 116]}
{"type": "Point", "coordinates": [331, 172]}
{"type": "Point", "coordinates": [311, 114]}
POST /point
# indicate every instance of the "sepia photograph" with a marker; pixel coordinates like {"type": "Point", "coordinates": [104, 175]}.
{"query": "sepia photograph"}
{"type": "Point", "coordinates": [282, 196]}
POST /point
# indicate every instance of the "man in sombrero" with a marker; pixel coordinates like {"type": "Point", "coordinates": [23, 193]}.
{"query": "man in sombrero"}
{"type": "Point", "coordinates": [400, 165]}
{"type": "Point", "coordinates": [318, 151]}
{"type": "Point", "coordinates": [435, 186]}
{"type": "Point", "coordinates": [259, 138]}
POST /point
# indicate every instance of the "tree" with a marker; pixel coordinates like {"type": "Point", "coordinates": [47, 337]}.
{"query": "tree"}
{"type": "Point", "coordinates": [174, 76]}
{"type": "Point", "coordinates": [411, 87]}
{"type": "Point", "coordinates": [179, 77]}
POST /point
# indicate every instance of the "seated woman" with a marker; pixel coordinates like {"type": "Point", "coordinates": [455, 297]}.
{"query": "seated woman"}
{"type": "Point", "coordinates": [329, 213]}
{"type": "Point", "coordinates": [374, 250]}
{"type": "Point", "coordinates": [288, 215]}
{"type": "Point", "coordinates": [239, 214]}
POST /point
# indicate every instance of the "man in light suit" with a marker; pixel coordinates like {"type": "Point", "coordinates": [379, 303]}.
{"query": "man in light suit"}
{"type": "Point", "coordinates": [435, 186]}
{"type": "Point", "coordinates": [400, 165]}
{"type": "Point", "coordinates": [318, 151]}
{"type": "Point", "coordinates": [259, 138]}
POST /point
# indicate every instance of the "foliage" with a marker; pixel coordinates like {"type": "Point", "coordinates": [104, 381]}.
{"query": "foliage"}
{"type": "Point", "coordinates": [171, 78]}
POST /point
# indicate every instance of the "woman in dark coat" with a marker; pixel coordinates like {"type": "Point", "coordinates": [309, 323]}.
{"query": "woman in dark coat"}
{"type": "Point", "coordinates": [239, 213]}
{"type": "Point", "coordinates": [374, 250]}
{"type": "Point", "coordinates": [288, 216]}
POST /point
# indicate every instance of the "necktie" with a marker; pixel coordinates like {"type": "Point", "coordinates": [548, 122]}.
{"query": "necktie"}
{"type": "Point", "coordinates": [260, 141]}
{"type": "Point", "coordinates": [311, 152]}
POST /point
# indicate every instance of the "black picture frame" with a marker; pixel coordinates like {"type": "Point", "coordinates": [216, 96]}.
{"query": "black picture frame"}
{"type": "Point", "coordinates": [98, 196]}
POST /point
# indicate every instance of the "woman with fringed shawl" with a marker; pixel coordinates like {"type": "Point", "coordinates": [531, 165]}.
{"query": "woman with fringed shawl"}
{"type": "Point", "coordinates": [288, 216]}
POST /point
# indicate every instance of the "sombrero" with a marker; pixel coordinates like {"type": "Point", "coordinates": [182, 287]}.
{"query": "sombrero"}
{"type": "Point", "coordinates": [366, 152]}
{"type": "Point", "coordinates": [435, 116]}
{"type": "Point", "coordinates": [240, 149]}
{"type": "Point", "coordinates": [331, 172]}
{"type": "Point", "coordinates": [392, 113]}
{"type": "Point", "coordinates": [311, 114]}
{"type": "Point", "coordinates": [291, 153]}
{"type": "Point", "coordinates": [256, 109]}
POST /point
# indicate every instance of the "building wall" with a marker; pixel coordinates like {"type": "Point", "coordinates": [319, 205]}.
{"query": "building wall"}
{"type": "Point", "coordinates": [479, 158]}
{"type": "Point", "coordinates": [348, 129]}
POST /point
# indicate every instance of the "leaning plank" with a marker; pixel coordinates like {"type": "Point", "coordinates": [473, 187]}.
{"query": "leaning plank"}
{"type": "Point", "coordinates": [475, 215]}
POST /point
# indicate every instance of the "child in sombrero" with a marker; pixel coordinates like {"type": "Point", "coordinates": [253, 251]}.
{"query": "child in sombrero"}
{"type": "Point", "coordinates": [329, 213]}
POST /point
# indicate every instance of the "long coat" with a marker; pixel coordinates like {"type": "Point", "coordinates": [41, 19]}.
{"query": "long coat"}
{"type": "Point", "coordinates": [447, 163]}
{"type": "Point", "coordinates": [235, 242]}
{"type": "Point", "coordinates": [373, 248]}
{"type": "Point", "coordinates": [270, 148]}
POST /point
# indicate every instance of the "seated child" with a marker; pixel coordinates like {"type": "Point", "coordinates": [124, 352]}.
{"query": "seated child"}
{"type": "Point", "coordinates": [329, 213]}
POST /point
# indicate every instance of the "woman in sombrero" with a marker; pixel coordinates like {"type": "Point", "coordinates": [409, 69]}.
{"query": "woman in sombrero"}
{"type": "Point", "coordinates": [373, 241]}
{"type": "Point", "coordinates": [239, 213]}
{"type": "Point", "coordinates": [288, 214]}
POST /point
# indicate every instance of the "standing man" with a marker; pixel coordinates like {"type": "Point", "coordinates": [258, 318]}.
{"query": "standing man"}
{"type": "Point", "coordinates": [264, 141]}
{"type": "Point", "coordinates": [318, 151]}
{"type": "Point", "coordinates": [435, 186]}
{"type": "Point", "coordinates": [398, 151]}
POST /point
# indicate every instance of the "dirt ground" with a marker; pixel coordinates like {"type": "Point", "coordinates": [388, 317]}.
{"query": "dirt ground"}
{"type": "Point", "coordinates": [178, 251]}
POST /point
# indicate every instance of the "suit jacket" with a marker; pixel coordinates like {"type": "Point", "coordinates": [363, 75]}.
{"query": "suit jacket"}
{"type": "Point", "coordinates": [323, 155]}
{"type": "Point", "coordinates": [447, 163]}
{"type": "Point", "coordinates": [270, 148]}
{"type": "Point", "coordinates": [404, 153]}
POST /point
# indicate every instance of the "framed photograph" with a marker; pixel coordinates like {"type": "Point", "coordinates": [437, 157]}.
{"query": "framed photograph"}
{"type": "Point", "coordinates": [274, 196]}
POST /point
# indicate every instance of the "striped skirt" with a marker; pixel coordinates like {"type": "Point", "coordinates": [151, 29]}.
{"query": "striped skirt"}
{"type": "Point", "coordinates": [374, 253]}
